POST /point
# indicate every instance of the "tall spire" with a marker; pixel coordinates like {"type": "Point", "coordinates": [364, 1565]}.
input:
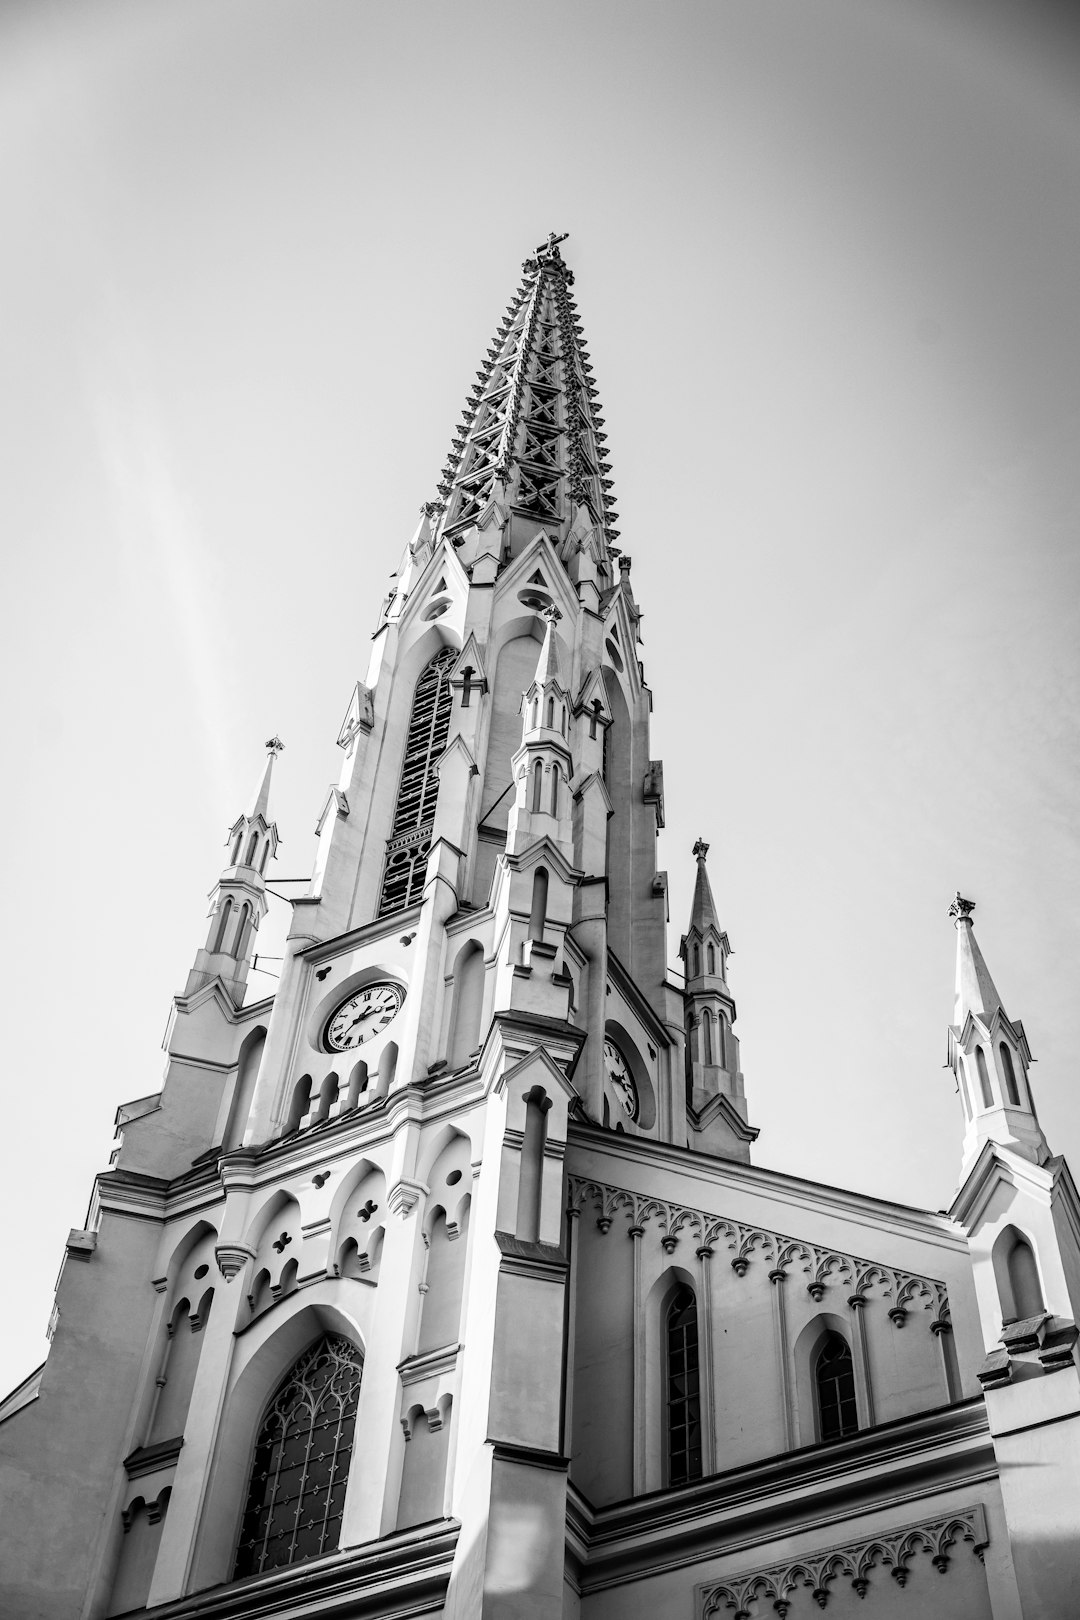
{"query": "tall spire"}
{"type": "Point", "coordinates": [530, 436]}
{"type": "Point", "coordinates": [975, 989]}
{"type": "Point", "coordinates": [703, 909]}
{"type": "Point", "coordinates": [989, 1055]}
{"type": "Point", "coordinates": [260, 799]}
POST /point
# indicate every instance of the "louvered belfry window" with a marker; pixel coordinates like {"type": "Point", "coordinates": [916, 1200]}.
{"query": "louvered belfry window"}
{"type": "Point", "coordinates": [683, 1390]}
{"type": "Point", "coordinates": [410, 840]}
{"type": "Point", "coordinates": [297, 1493]}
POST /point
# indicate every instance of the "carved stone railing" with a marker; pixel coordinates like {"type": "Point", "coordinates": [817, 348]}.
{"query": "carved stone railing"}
{"type": "Point", "coordinates": [907, 1290]}
{"type": "Point", "coordinates": [857, 1561]}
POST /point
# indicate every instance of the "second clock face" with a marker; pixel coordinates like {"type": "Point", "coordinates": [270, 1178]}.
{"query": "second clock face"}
{"type": "Point", "coordinates": [365, 1014]}
{"type": "Point", "coordinates": [620, 1079]}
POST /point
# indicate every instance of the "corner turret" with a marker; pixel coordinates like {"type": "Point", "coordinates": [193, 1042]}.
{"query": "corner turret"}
{"type": "Point", "coordinates": [989, 1055]}
{"type": "Point", "coordinates": [715, 1096]}
{"type": "Point", "coordinates": [238, 899]}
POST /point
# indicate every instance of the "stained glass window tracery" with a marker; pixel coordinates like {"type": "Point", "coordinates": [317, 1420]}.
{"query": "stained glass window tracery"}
{"type": "Point", "coordinates": [414, 815]}
{"type": "Point", "coordinates": [296, 1497]}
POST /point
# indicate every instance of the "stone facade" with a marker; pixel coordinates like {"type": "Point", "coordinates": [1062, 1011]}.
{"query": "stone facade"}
{"type": "Point", "coordinates": [442, 1283]}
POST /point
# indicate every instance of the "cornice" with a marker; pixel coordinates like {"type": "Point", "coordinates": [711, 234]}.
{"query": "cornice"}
{"type": "Point", "coordinates": [379, 929]}
{"type": "Point", "coordinates": [907, 1461]}
{"type": "Point", "coordinates": [131, 1193]}
{"type": "Point", "coordinates": [773, 1184]}
{"type": "Point", "coordinates": [822, 1263]}
{"type": "Point", "coordinates": [403, 1573]}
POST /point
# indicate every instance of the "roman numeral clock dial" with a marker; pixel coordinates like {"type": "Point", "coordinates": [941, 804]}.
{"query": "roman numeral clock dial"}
{"type": "Point", "coordinates": [364, 1015]}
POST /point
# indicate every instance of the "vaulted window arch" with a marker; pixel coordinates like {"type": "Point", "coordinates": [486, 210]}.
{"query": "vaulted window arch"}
{"type": "Point", "coordinates": [834, 1386]}
{"type": "Point", "coordinates": [410, 837]}
{"type": "Point", "coordinates": [296, 1496]}
{"type": "Point", "coordinates": [682, 1389]}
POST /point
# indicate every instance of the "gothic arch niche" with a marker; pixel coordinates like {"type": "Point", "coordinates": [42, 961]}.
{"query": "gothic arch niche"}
{"type": "Point", "coordinates": [418, 784]}
{"type": "Point", "coordinates": [675, 1416]}
{"type": "Point", "coordinates": [272, 1350]}
{"type": "Point", "coordinates": [142, 1527]}
{"type": "Point", "coordinates": [247, 1072]}
{"type": "Point", "coordinates": [446, 1225]}
{"type": "Point", "coordinates": [190, 1294]}
{"type": "Point", "coordinates": [618, 779]}
{"type": "Point", "coordinates": [1016, 1272]}
{"type": "Point", "coordinates": [423, 1473]}
{"type": "Point", "coordinates": [358, 1222]}
{"type": "Point", "coordinates": [275, 1236]}
{"type": "Point", "coordinates": [468, 982]}
{"type": "Point", "coordinates": [645, 1117]}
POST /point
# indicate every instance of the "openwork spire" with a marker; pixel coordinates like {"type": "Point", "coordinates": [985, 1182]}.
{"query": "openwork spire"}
{"type": "Point", "coordinates": [530, 436]}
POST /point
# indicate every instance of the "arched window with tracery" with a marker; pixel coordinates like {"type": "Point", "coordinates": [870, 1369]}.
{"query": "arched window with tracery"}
{"type": "Point", "coordinates": [410, 837]}
{"type": "Point", "coordinates": [682, 1388]}
{"type": "Point", "coordinates": [834, 1382]}
{"type": "Point", "coordinates": [301, 1468]}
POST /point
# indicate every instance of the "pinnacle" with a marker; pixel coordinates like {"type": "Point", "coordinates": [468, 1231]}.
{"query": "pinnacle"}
{"type": "Point", "coordinates": [975, 989]}
{"type": "Point", "coordinates": [703, 907]}
{"type": "Point", "coordinates": [547, 668]}
{"type": "Point", "coordinates": [260, 802]}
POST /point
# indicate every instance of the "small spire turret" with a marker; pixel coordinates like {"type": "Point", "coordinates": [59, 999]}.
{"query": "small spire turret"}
{"type": "Point", "coordinates": [238, 900]}
{"type": "Point", "coordinates": [716, 1101]}
{"type": "Point", "coordinates": [989, 1055]}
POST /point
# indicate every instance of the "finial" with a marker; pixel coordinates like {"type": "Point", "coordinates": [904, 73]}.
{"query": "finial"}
{"type": "Point", "coordinates": [701, 850]}
{"type": "Point", "coordinates": [274, 745]}
{"type": "Point", "coordinates": [624, 563]}
{"type": "Point", "coordinates": [961, 909]}
{"type": "Point", "coordinates": [550, 248]}
{"type": "Point", "coordinates": [551, 614]}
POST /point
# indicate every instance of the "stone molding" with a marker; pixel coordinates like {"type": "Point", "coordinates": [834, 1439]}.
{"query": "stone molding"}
{"type": "Point", "coordinates": [894, 1550]}
{"type": "Point", "coordinates": [905, 1289]}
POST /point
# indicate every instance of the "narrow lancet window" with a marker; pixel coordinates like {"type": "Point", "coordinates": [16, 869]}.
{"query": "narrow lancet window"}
{"type": "Point", "coordinates": [834, 1376]}
{"type": "Point", "coordinates": [683, 1391]}
{"type": "Point", "coordinates": [297, 1493]}
{"type": "Point", "coordinates": [410, 839]}
{"type": "Point", "coordinates": [537, 785]}
{"type": "Point", "coordinates": [984, 1078]}
{"type": "Point", "coordinates": [1011, 1090]}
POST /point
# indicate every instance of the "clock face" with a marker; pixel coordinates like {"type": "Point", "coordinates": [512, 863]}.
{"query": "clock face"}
{"type": "Point", "coordinates": [620, 1079]}
{"type": "Point", "coordinates": [366, 1013]}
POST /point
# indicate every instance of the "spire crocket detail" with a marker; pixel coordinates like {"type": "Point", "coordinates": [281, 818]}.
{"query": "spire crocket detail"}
{"type": "Point", "coordinates": [531, 437]}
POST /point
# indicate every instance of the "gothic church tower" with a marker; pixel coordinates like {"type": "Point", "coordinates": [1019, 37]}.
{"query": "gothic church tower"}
{"type": "Point", "coordinates": [441, 1283]}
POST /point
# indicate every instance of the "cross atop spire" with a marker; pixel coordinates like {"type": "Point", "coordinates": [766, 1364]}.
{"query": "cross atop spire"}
{"type": "Point", "coordinates": [531, 435]}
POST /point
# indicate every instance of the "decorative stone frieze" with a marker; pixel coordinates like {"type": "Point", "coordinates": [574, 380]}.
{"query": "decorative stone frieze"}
{"type": "Point", "coordinates": [856, 1561]}
{"type": "Point", "coordinates": [782, 1254]}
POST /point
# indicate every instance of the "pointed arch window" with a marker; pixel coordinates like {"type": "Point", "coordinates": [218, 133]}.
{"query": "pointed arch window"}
{"type": "Point", "coordinates": [414, 816]}
{"type": "Point", "coordinates": [301, 1468]}
{"type": "Point", "coordinates": [834, 1380]}
{"type": "Point", "coordinates": [683, 1392]}
{"type": "Point", "coordinates": [1011, 1088]}
{"type": "Point", "coordinates": [984, 1078]}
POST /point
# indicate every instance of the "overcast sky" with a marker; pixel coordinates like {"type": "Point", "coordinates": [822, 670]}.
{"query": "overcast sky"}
{"type": "Point", "coordinates": [826, 260]}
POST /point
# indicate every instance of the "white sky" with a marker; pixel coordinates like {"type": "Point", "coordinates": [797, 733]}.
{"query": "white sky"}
{"type": "Point", "coordinates": [826, 261]}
